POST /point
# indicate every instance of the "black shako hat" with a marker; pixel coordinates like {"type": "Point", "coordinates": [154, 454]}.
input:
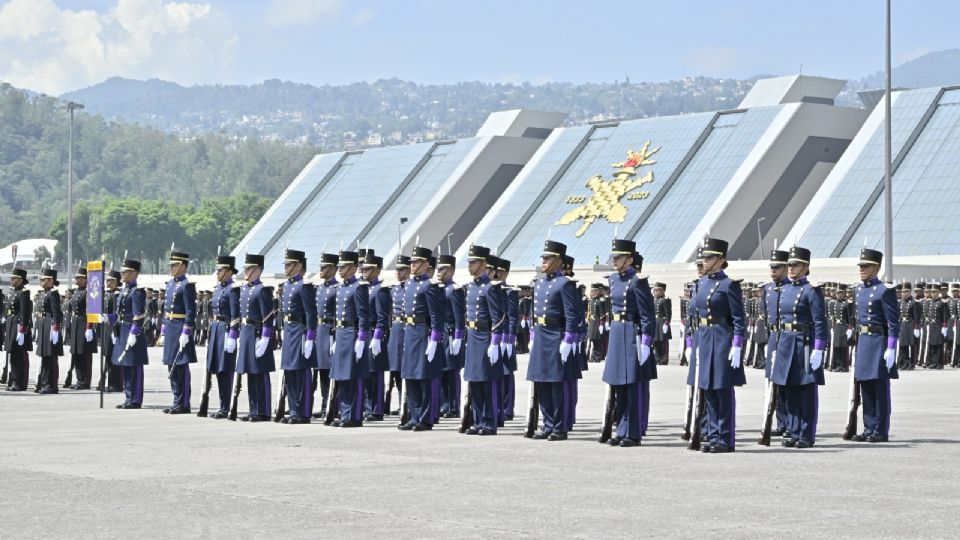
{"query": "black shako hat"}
{"type": "Point", "coordinates": [349, 257]}
{"type": "Point", "coordinates": [253, 259]}
{"type": "Point", "coordinates": [477, 253]}
{"type": "Point", "coordinates": [714, 246]}
{"type": "Point", "coordinates": [870, 256]}
{"type": "Point", "coordinates": [227, 261]}
{"type": "Point", "coordinates": [327, 259]}
{"type": "Point", "coordinates": [446, 260]}
{"type": "Point", "coordinates": [421, 253]}
{"type": "Point", "coordinates": [799, 254]}
{"type": "Point", "coordinates": [556, 249]}
{"type": "Point", "coordinates": [623, 247]}
{"type": "Point", "coordinates": [294, 255]}
{"type": "Point", "coordinates": [778, 257]}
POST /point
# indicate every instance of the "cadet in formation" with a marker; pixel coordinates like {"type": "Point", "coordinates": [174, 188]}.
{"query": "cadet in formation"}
{"type": "Point", "coordinates": [82, 337]}
{"type": "Point", "coordinates": [718, 304]}
{"type": "Point", "coordinates": [552, 338]}
{"type": "Point", "coordinates": [801, 343]}
{"type": "Point", "coordinates": [378, 321]}
{"type": "Point", "coordinates": [395, 339]}
{"type": "Point", "coordinates": [350, 360]}
{"type": "Point", "coordinates": [131, 315]}
{"type": "Point", "coordinates": [486, 322]}
{"type": "Point", "coordinates": [111, 375]}
{"type": "Point", "coordinates": [875, 362]}
{"type": "Point", "coordinates": [224, 332]}
{"type": "Point", "coordinates": [326, 326]}
{"type": "Point", "coordinates": [452, 340]}
{"type": "Point", "coordinates": [179, 317]}
{"type": "Point", "coordinates": [49, 344]}
{"type": "Point", "coordinates": [299, 307]}
{"type": "Point", "coordinates": [632, 328]}
{"type": "Point", "coordinates": [254, 348]}
{"type": "Point", "coordinates": [508, 351]}
{"type": "Point", "coordinates": [18, 332]}
{"type": "Point", "coordinates": [423, 314]}
{"type": "Point", "coordinates": [772, 293]}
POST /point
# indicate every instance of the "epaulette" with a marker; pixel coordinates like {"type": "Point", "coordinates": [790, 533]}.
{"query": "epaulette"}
{"type": "Point", "coordinates": [362, 282]}
{"type": "Point", "coordinates": [738, 281]}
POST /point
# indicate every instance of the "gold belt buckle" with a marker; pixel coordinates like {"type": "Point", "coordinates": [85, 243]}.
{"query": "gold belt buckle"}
{"type": "Point", "coordinates": [541, 321]}
{"type": "Point", "coordinates": [410, 320]}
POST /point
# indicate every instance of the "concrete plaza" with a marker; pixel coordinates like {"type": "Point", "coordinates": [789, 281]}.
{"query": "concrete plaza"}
{"type": "Point", "coordinates": [70, 469]}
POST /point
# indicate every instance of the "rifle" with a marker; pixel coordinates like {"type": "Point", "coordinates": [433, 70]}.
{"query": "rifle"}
{"type": "Point", "coordinates": [685, 435]}
{"type": "Point", "coordinates": [925, 338]}
{"type": "Point", "coordinates": [404, 410]}
{"type": "Point", "coordinates": [606, 427]}
{"type": "Point", "coordinates": [466, 417]}
{"type": "Point", "coordinates": [769, 401]}
{"type": "Point", "coordinates": [313, 394]}
{"type": "Point", "coordinates": [389, 396]}
{"type": "Point", "coordinates": [696, 416]}
{"type": "Point", "coordinates": [6, 366]}
{"type": "Point", "coordinates": [282, 402]}
{"type": "Point", "coordinates": [236, 398]}
{"type": "Point", "coordinates": [68, 382]}
{"type": "Point", "coordinates": [854, 395]}
{"type": "Point", "coordinates": [332, 409]}
{"type": "Point", "coordinates": [205, 400]}
{"type": "Point", "coordinates": [533, 411]}
{"type": "Point", "coordinates": [36, 388]}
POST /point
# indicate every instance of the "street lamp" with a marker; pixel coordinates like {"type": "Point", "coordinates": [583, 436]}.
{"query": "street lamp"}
{"type": "Point", "coordinates": [71, 106]}
{"type": "Point", "coordinates": [887, 157]}
{"type": "Point", "coordinates": [760, 237]}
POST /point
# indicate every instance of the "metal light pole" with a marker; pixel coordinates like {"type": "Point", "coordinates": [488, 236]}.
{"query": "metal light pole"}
{"type": "Point", "coordinates": [760, 237]}
{"type": "Point", "coordinates": [71, 106]}
{"type": "Point", "coordinates": [887, 160]}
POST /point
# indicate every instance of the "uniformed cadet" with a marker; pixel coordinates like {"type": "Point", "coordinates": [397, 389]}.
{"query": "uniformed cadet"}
{"type": "Point", "coordinates": [954, 304]}
{"type": "Point", "coordinates": [761, 328]}
{"type": "Point", "coordinates": [423, 315]}
{"type": "Point", "coordinates": [179, 320]}
{"type": "Point", "coordinates": [395, 340]}
{"type": "Point", "coordinates": [633, 324]}
{"type": "Point", "coordinates": [508, 353]}
{"type": "Point", "coordinates": [770, 306]}
{"type": "Point", "coordinates": [598, 311]}
{"type": "Point", "coordinates": [49, 342]}
{"type": "Point", "coordinates": [935, 324]}
{"type": "Point", "coordinates": [486, 322]}
{"type": "Point", "coordinates": [297, 357]}
{"type": "Point", "coordinates": [254, 349]}
{"type": "Point", "coordinates": [326, 326]}
{"type": "Point", "coordinates": [840, 316]}
{"type": "Point", "coordinates": [224, 332]}
{"type": "Point", "coordinates": [152, 322]}
{"type": "Point", "coordinates": [552, 338]}
{"type": "Point", "coordinates": [945, 355]}
{"type": "Point", "coordinates": [578, 364]}
{"type": "Point", "coordinates": [664, 310]}
{"type": "Point", "coordinates": [109, 332]}
{"type": "Point", "coordinates": [381, 308]}
{"type": "Point", "coordinates": [875, 363]}
{"type": "Point", "coordinates": [130, 354]}
{"type": "Point", "coordinates": [801, 343]}
{"type": "Point", "coordinates": [719, 306]}
{"type": "Point", "coordinates": [526, 308]}
{"type": "Point", "coordinates": [18, 334]}
{"type": "Point", "coordinates": [351, 359]}
{"type": "Point", "coordinates": [907, 346]}
{"type": "Point", "coordinates": [82, 338]}
{"type": "Point", "coordinates": [454, 330]}
{"type": "Point", "coordinates": [685, 321]}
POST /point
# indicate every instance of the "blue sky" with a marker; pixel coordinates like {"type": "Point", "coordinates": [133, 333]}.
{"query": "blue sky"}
{"type": "Point", "coordinates": [60, 45]}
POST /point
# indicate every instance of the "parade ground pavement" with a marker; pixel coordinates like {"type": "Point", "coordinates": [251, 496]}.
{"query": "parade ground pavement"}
{"type": "Point", "coordinates": [72, 470]}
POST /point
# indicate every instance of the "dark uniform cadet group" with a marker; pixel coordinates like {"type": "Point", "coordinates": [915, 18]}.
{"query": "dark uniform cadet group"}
{"type": "Point", "coordinates": [358, 340]}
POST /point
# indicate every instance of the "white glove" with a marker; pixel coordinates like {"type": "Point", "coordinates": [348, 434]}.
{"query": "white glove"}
{"type": "Point", "coordinates": [262, 344]}
{"type": "Point", "coordinates": [184, 340]}
{"type": "Point", "coordinates": [916, 332]}
{"type": "Point", "coordinates": [735, 357]}
{"type": "Point", "coordinates": [601, 329]}
{"type": "Point", "coordinates": [455, 346]}
{"type": "Point", "coordinates": [509, 350]}
{"type": "Point", "coordinates": [358, 348]}
{"type": "Point", "coordinates": [531, 339]}
{"type": "Point", "coordinates": [230, 346]}
{"type": "Point", "coordinates": [849, 333]}
{"type": "Point", "coordinates": [943, 331]}
{"type": "Point", "coordinates": [523, 323]}
{"type": "Point", "coordinates": [333, 346]}
{"type": "Point", "coordinates": [643, 353]}
{"type": "Point", "coordinates": [375, 347]}
{"type": "Point", "coordinates": [666, 328]}
{"type": "Point", "coordinates": [503, 348]}
{"type": "Point", "coordinates": [688, 352]}
{"type": "Point", "coordinates": [431, 349]}
{"type": "Point", "coordinates": [816, 359]}
{"type": "Point", "coordinates": [890, 356]}
{"type": "Point", "coordinates": [88, 334]}
{"type": "Point", "coordinates": [493, 351]}
{"type": "Point", "coordinates": [565, 350]}
{"type": "Point", "coordinates": [308, 347]}
{"type": "Point", "coordinates": [113, 339]}
{"type": "Point", "coordinates": [20, 339]}
{"type": "Point", "coordinates": [131, 340]}
{"type": "Point", "coordinates": [54, 337]}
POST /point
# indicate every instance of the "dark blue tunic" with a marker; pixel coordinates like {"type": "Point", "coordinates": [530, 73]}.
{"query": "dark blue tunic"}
{"type": "Point", "coordinates": [423, 311]}
{"type": "Point", "coordinates": [513, 326]}
{"type": "Point", "coordinates": [179, 316]}
{"type": "Point", "coordinates": [718, 304]}
{"type": "Point", "coordinates": [554, 320]}
{"type": "Point", "coordinates": [800, 304]}
{"type": "Point", "coordinates": [327, 314]}
{"type": "Point", "coordinates": [257, 316]}
{"type": "Point", "coordinates": [486, 317]}
{"type": "Point", "coordinates": [381, 308]}
{"type": "Point", "coordinates": [131, 312]}
{"type": "Point", "coordinates": [299, 308]}
{"type": "Point", "coordinates": [395, 341]}
{"type": "Point", "coordinates": [353, 320]}
{"type": "Point", "coordinates": [771, 303]}
{"type": "Point", "coordinates": [631, 305]}
{"type": "Point", "coordinates": [454, 325]}
{"type": "Point", "coordinates": [224, 323]}
{"type": "Point", "coordinates": [876, 309]}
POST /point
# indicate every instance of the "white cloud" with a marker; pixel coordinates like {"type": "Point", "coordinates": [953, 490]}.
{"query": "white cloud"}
{"type": "Point", "coordinates": [363, 16]}
{"type": "Point", "coordinates": [282, 13]}
{"type": "Point", "coordinates": [53, 50]}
